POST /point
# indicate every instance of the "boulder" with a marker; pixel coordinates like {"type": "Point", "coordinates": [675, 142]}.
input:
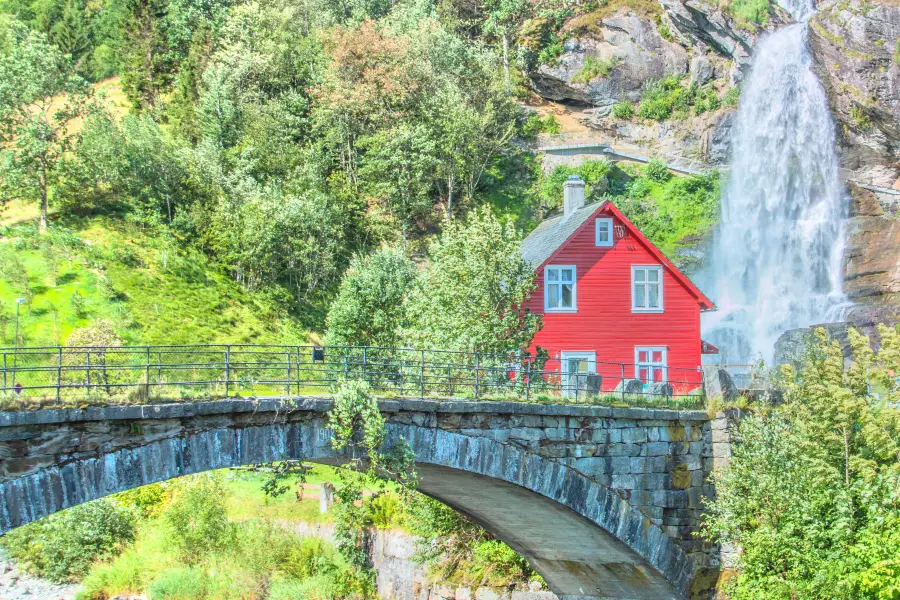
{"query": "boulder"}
{"type": "Point", "coordinates": [630, 386]}
{"type": "Point", "coordinates": [659, 389]}
{"type": "Point", "coordinates": [719, 384]}
{"type": "Point", "coordinates": [701, 70]}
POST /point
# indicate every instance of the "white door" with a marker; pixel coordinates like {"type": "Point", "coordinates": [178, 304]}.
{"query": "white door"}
{"type": "Point", "coordinates": [573, 365]}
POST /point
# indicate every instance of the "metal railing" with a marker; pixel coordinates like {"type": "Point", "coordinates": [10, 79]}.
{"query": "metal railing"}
{"type": "Point", "coordinates": [60, 376]}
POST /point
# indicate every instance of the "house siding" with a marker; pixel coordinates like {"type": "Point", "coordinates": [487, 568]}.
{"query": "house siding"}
{"type": "Point", "coordinates": [604, 322]}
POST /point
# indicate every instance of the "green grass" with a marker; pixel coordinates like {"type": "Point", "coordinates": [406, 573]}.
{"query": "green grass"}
{"type": "Point", "coordinates": [154, 292]}
{"type": "Point", "coordinates": [594, 68]}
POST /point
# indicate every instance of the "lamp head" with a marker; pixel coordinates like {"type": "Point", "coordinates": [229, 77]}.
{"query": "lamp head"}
{"type": "Point", "coordinates": [20, 300]}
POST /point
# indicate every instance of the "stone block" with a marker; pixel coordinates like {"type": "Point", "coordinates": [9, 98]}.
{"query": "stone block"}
{"type": "Point", "coordinates": [634, 435]}
{"type": "Point", "coordinates": [656, 449]}
{"type": "Point", "coordinates": [624, 482]}
{"type": "Point", "coordinates": [592, 466]}
{"type": "Point", "coordinates": [657, 464]}
{"type": "Point", "coordinates": [600, 436]}
{"type": "Point", "coordinates": [463, 593]}
{"type": "Point", "coordinates": [531, 434]}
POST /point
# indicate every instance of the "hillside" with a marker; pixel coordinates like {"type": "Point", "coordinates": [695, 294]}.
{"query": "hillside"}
{"type": "Point", "coordinates": [153, 291]}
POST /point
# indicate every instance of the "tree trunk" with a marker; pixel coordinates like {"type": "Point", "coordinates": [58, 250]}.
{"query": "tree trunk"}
{"type": "Point", "coordinates": [450, 198]}
{"type": "Point", "coordinates": [42, 225]}
{"type": "Point", "coordinates": [506, 61]}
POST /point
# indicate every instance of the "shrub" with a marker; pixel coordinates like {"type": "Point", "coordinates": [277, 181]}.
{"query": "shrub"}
{"type": "Point", "coordinates": [197, 518]}
{"type": "Point", "coordinates": [63, 546]}
{"type": "Point", "coordinates": [704, 99]}
{"type": "Point", "coordinates": [623, 110]}
{"type": "Point", "coordinates": [749, 11]}
{"type": "Point", "coordinates": [535, 124]}
{"type": "Point", "coordinates": [593, 68]}
{"type": "Point", "coordinates": [496, 563]}
{"type": "Point", "coordinates": [147, 500]}
{"type": "Point", "coordinates": [657, 171]}
{"type": "Point", "coordinates": [732, 96]}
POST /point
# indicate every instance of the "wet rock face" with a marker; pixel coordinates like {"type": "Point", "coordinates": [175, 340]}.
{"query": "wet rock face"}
{"type": "Point", "coordinates": [632, 46]}
{"type": "Point", "coordinates": [854, 48]}
{"type": "Point", "coordinates": [871, 261]}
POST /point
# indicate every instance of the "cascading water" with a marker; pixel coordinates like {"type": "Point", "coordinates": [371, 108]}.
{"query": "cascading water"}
{"type": "Point", "coordinates": [776, 262]}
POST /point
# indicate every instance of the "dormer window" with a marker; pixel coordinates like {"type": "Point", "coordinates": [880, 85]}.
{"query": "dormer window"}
{"type": "Point", "coordinates": [603, 232]}
{"type": "Point", "coordinates": [559, 289]}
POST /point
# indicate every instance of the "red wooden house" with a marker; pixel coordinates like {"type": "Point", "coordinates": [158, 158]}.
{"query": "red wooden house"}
{"type": "Point", "coordinates": [612, 303]}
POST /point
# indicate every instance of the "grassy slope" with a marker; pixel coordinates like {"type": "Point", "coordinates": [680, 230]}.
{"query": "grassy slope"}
{"type": "Point", "coordinates": [153, 292]}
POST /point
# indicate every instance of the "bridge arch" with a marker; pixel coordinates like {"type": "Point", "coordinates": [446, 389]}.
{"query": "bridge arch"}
{"type": "Point", "coordinates": [581, 536]}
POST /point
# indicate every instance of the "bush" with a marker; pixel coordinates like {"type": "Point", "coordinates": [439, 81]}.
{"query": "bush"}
{"type": "Point", "coordinates": [667, 98]}
{"type": "Point", "coordinates": [197, 518]}
{"type": "Point", "coordinates": [63, 546]}
{"type": "Point", "coordinates": [623, 110]}
{"type": "Point", "coordinates": [594, 67]}
{"type": "Point", "coordinates": [732, 96]}
{"type": "Point", "coordinates": [657, 171]}
{"type": "Point", "coordinates": [535, 124]}
{"type": "Point", "coordinates": [496, 563]}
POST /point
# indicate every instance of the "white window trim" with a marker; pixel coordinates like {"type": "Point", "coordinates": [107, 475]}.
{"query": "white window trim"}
{"type": "Point", "coordinates": [662, 302]}
{"type": "Point", "coordinates": [564, 357]}
{"type": "Point", "coordinates": [574, 290]}
{"type": "Point", "coordinates": [612, 236]}
{"type": "Point", "coordinates": [664, 366]}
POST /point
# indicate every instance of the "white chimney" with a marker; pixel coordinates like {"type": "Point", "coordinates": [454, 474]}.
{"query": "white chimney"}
{"type": "Point", "coordinates": [573, 195]}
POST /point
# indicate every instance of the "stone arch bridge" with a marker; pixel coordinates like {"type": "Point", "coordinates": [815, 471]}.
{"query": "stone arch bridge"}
{"type": "Point", "coordinates": [603, 502]}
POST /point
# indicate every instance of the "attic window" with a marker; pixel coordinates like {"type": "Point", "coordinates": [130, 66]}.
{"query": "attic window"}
{"type": "Point", "coordinates": [603, 232]}
{"type": "Point", "coordinates": [559, 289]}
{"type": "Point", "coordinates": [646, 289]}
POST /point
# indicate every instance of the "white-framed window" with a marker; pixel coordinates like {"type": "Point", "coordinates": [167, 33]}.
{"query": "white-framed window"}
{"type": "Point", "coordinates": [650, 364]}
{"type": "Point", "coordinates": [647, 289]}
{"type": "Point", "coordinates": [560, 294]}
{"type": "Point", "coordinates": [603, 232]}
{"type": "Point", "coordinates": [575, 366]}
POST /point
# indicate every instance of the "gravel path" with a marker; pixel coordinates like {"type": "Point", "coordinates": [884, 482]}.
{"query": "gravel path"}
{"type": "Point", "coordinates": [17, 585]}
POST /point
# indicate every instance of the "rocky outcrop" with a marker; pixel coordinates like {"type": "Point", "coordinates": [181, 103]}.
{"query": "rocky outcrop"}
{"type": "Point", "coordinates": [872, 260]}
{"type": "Point", "coordinates": [632, 52]}
{"type": "Point", "coordinates": [854, 44]}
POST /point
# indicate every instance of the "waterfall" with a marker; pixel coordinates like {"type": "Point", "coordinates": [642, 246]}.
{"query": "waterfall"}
{"type": "Point", "coordinates": [776, 261]}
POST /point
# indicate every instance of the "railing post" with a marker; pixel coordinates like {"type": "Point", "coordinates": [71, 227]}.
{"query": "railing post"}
{"type": "Point", "coordinates": [298, 370]}
{"type": "Point", "coordinates": [477, 365]}
{"type": "Point", "coordinates": [227, 367]}
{"type": "Point", "coordinates": [287, 382]}
{"type": "Point", "coordinates": [59, 357]}
{"type": "Point", "coordinates": [623, 381]}
{"type": "Point", "coordinates": [365, 360]}
{"type": "Point", "coordinates": [88, 369]}
{"type": "Point", "coordinates": [528, 381]}
{"type": "Point", "coordinates": [147, 375]}
{"type": "Point", "coordinates": [422, 374]}
{"type": "Point", "coordinates": [4, 372]}
{"type": "Point", "coordinates": [449, 380]}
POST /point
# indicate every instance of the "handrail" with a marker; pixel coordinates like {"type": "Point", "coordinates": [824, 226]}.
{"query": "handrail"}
{"type": "Point", "coordinates": [56, 375]}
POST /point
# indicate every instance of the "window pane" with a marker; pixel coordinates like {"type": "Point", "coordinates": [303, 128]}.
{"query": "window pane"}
{"type": "Point", "coordinates": [639, 275]}
{"type": "Point", "coordinates": [603, 231]}
{"type": "Point", "coordinates": [642, 356]}
{"type": "Point", "coordinates": [553, 296]}
{"type": "Point", "coordinates": [639, 296]}
{"type": "Point", "coordinates": [652, 275]}
{"type": "Point", "coordinates": [654, 295]}
{"type": "Point", "coordinates": [643, 374]}
{"type": "Point", "coordinates": [552, 275]}
{"type": "Point", "coordinates": [657, 357]}
{"type": "Point", "coordinates": [657, 374]}
{"type": "Point", "coordinates": [567, 274]}
{"type": "Point", "coordinates": [566, 295]}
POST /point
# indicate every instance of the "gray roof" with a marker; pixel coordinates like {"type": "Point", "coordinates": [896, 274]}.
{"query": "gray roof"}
{"type": "Point", "coordinates": [553, 233]}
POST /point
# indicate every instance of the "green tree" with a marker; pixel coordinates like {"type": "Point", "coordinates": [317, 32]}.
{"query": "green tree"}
{"type": "Point", "coordinates": [368, 309]}
{"type": "Point", "coordinates": [471, 297]}
{"type": "Point", "coordinates": [197, 518]}
{"type": "Point", "coordinates": [810, 496]}
{"type": "Point", "coordinates": [34, 121]}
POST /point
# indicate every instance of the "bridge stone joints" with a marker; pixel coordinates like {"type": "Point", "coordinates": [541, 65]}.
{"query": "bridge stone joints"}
{"type": "Point", "coordinates": [639, 474]}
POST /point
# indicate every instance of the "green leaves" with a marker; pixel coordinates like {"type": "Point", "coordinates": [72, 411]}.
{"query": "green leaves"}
{"type": "Point", "coordinates": [471, 295]}
{"type": "Point", "coordinates": [811, 495]}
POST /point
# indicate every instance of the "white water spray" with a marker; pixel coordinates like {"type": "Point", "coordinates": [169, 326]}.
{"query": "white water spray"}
{"type": "Point", "coordinates": [777, 254]}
